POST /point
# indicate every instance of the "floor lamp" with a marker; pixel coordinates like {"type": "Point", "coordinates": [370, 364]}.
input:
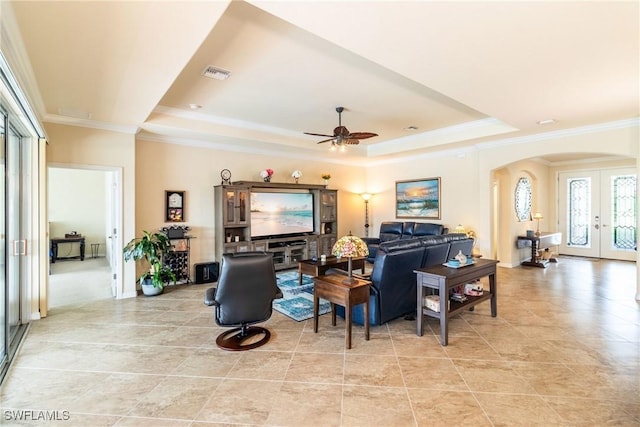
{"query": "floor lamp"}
{"type": "Point", "coordinates": [366, 197]}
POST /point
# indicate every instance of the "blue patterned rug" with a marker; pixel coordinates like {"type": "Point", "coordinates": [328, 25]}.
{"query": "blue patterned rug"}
{"type": "Point", "coordinates": [297, 302]}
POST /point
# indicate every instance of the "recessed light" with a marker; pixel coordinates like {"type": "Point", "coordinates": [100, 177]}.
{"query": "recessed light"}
{"type": "Point", "coordinates": [195, 106]}
{"type": "Point", "coordinates": [411, 128]}
{"type": "Point", "coordinates": [546, 122]}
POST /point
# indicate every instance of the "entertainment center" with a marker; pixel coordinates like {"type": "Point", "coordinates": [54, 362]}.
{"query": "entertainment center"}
{"type": "Point", "coordinates": [292, 221]}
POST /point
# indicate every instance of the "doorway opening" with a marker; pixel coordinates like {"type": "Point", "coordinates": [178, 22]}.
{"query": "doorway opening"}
{"type": "Point", "coordinates": [84, 202]}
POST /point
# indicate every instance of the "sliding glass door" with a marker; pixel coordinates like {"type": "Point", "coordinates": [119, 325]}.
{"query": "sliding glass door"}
{"type": "Point", "coordinates": [15, 152]}
{"type": "Point", "coordinates": [3, 245]}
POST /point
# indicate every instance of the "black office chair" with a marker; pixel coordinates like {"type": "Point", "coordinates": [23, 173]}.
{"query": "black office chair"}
{"type": "Point", "coordinates": [244, 296]}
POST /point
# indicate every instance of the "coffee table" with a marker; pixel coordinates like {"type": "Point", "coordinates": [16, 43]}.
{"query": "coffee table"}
{"type": "Point", "coordinates": [319, 268]}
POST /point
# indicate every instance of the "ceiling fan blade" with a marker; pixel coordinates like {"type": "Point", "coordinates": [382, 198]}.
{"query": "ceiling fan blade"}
{"type": "Point", "coordinates": [361, 135]}
{"type": "Point", "coordinates": [350, 141]}
{"type": "Point", "coordinates": [319, 134]}
{"type": "Point", "coordinates": [326, 140]}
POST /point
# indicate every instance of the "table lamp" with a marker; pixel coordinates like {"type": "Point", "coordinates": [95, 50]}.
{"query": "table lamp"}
{"type": "Point", "coordinates": [350, 246]}
{"type": "Point", "coordinates": [537, 216]}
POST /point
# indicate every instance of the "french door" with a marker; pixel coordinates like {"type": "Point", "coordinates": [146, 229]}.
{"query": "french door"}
{"type": "Point", "coordinates": [598, 212]}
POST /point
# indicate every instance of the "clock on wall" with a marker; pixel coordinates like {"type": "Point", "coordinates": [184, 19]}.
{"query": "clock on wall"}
{"type": "Point", "coordinates": [225, 174]}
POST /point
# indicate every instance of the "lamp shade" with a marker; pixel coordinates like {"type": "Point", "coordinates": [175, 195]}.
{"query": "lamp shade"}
{"type": "Point", "coordinates": [460, 229]}
{"type": "Point", "coordinates": [537, 216]}
{"type": "Point", "coordinates": [350, 246]}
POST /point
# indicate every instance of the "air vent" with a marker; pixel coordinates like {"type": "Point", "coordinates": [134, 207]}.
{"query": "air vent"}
{"type": "Point", "coordinates": [216, 73]}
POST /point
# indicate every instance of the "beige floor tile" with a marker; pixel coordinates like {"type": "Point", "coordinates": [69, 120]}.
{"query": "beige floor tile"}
{"type": "Point", "coordinates": [470, 348]}
{"type": "Point", "coordinates": [378, 343]}
{"type": "Point", "coordinates": [265, 365]}
{"type": "Point", "coordinates": [283, 340]}
{"type": "Point", "coordinates": [585, 381]}
{"type": "Point", "coordinates": [320, 407]}
{"type": "Point", "coordinates": [372, 370]}
{"type": "Point", "coordinates": [176, 398]}
{"type": "Point", "coordinates": [526, 350]}
{"type": "Point", "coordinates": [376, 406]}
{"type": "Point", "coordinates": [518, 410]}
{"type": "Point", "coordinates": [446, 408]}
{"type": "Point", "coordinates": [316, 368]}
{"type": "Point", "coordinates": [411, 345]}
{"type": "Point", "coordinates": [422, 372]}
{"type": "Point", "coordinates": [325, 341]}
{"type": "Point", "coordinates": [492, 376]}
{"type": "Point", "coordinates": [596, 412]}
{"type": "Point", "coordinates": [207, 362]}
{"type": "Point", "coordinates": [241, 402]}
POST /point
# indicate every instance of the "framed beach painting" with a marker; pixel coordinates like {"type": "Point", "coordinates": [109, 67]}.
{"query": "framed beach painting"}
{"type": "Point", "coordinates": [418, 198]}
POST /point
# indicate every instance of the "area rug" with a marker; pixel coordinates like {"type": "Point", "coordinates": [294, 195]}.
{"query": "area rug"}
{"type": "Point", "coordinates": [297, 301]}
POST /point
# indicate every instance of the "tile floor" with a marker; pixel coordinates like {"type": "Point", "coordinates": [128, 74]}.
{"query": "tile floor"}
{"type": "Point", "coordinates": [564, 351]}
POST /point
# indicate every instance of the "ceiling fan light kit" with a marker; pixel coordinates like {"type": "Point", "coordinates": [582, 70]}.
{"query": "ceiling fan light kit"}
{"type": "Point", "coordinates": [341, 135]}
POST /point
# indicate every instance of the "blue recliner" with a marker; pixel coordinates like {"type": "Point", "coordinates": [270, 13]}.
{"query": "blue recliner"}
{"type": "Point", "coordinates": [399, 230]}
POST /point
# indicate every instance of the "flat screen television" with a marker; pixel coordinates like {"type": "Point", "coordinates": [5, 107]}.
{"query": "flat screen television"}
{"type": "Point", "coordinates": [281, 214]}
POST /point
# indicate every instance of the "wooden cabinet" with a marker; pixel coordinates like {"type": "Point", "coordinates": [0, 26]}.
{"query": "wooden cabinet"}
{"type": "Point", "coordinates": [328, 229]}
{"type": "Point", "coordinates": [236, 206]}
{"type": "Point", "coordinates": [328, 205]}
{"type": "Point", "coordinates": [233, 223]}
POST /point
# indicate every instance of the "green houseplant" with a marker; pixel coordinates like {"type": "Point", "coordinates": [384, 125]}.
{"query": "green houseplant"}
{"type": "Point", "coordinates": [149, 248]}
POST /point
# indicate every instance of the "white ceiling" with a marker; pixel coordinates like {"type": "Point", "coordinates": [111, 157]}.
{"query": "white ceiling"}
{"type": "Point", "coordinates": [462, 72]}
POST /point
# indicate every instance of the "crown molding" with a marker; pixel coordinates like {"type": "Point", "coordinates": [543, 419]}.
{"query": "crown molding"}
{"type": "Point", "coordinates": [92, 124]}
{"type": "Point", "coordinates": [563, 133]}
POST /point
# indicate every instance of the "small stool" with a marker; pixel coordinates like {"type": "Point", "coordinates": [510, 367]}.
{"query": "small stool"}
{"type": "Point", "coordinates": [95, 249]}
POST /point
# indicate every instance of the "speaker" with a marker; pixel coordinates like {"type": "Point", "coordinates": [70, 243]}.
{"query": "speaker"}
{"type": "Point", "coordinates": [207, 272]}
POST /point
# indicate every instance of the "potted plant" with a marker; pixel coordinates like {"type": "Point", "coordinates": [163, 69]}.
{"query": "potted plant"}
{"type": "Point", "coordinates": [150, 248]}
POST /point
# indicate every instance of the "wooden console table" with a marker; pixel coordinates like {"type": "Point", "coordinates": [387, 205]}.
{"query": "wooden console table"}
{"type": "Point", "coordinates": [331, 288]}
{"type": "Point", "coordinates": [442, 279]}
{"type": "Point", "coordinates": [55, 241]}
{"type": "Point", "coordinates": [543, 241]}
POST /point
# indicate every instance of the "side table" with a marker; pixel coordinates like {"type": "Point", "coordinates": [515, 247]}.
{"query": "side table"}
{"type": "Point", "coordinates": [331, 288]}
{"type": "Point", "coordinates": [442, 279]}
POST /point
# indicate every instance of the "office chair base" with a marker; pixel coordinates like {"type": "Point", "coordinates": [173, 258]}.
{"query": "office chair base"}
{"type": "Point", "coordinates": [233, 339]}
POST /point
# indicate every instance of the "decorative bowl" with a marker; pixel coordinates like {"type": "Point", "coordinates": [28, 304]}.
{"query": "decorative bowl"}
{"type": "Point", "coordinates": [454, 263]}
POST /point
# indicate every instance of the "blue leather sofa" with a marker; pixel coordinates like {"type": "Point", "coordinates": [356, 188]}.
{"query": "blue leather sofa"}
{"type": "Point", "coordinates": [393, 281]}
{"type": "Point", "coordinates": [401, 230]}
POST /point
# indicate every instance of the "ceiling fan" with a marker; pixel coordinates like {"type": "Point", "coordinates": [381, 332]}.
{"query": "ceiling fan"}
{"type": "Point", "coordinates": [341, 135]}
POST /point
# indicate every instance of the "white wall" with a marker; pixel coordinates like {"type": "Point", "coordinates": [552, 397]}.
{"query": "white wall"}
{"type": "Point", "coordinates": [77, 202]}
